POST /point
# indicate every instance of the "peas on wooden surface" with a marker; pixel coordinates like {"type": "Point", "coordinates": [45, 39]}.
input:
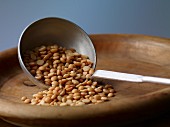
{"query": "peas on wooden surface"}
{"type": "Point", "coordinates": [68, 75]}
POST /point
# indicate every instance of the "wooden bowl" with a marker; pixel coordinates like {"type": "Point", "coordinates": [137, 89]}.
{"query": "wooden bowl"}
{"type": "Point", "coordinates": [139, 54]}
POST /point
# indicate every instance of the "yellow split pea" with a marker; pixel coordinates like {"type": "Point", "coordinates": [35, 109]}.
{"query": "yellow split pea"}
{"type": "Point", "coordinates": [68, 75]}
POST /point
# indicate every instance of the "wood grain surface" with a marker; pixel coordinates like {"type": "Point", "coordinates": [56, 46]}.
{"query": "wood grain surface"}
{"type": "Point", "coordinates": [133, 104]}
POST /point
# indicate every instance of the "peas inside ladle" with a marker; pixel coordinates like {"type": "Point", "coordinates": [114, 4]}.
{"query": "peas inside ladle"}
{"type": "Point", "coordinates": [50, 31]}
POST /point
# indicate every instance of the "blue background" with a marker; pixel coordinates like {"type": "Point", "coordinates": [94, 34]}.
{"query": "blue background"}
{"type": "Point", "coordinates": [150, 17]}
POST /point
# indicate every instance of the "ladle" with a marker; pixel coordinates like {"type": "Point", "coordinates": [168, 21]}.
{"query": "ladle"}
{"type": "Point", "coordinates": [67, 34]}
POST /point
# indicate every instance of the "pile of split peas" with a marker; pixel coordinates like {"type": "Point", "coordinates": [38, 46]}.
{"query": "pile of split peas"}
{"type": "Point", "coordinates": [67, 73]}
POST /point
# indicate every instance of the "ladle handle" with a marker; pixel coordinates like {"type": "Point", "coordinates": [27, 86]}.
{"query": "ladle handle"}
{"type": "Point", "coordinates": [111, 75]}
{"type": "Point", "coordinates": [156, 80]}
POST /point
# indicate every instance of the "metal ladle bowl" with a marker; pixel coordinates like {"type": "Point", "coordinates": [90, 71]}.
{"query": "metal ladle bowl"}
{"type": "Point", "coordinates": [58, 31]}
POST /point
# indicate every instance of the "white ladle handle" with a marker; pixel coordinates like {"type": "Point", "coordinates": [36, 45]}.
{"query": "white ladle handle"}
{"type": "Point", "coordinates": [103, 74]}
{"type": "Point", "coordinates": [156, 80]}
